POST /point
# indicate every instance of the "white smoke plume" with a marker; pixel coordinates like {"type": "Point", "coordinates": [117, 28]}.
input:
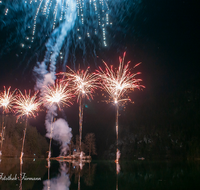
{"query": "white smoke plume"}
{"type": "Point", "coordinates": [61, 133]}
{"type": "Point", "coordinates": [45, 77]}
{"type": "Point", "coordinates": [61, 182]}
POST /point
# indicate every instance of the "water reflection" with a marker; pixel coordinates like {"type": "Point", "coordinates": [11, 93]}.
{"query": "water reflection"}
{"type": "Point", "coordinates": [117, 172]}
{"type": "Point", "coordinates": [20, 185]}
{"type": "Point", "coordinates": [60, 182]}
{"type": "Point", "coordinates": [15, 175]}
{"type": "Point", "coordinates": [104, 175]}
{"type": "Point", "coordinates": [75, 171]}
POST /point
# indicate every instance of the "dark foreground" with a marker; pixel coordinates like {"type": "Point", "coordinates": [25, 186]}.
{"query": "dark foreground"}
{"type": "Point", "coordinates": [141, 174]}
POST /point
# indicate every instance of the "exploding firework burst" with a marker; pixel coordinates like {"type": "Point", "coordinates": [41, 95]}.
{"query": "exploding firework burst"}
{"type": "Point", "coordinates": [26, 105]}
{"type": "Point", "coordinates": [58, 94]}
{"type": "Point", "coordinates": [119, 83]}
{"type": "Point", "coordinates": [6, 99]}
{"type": "Point", "coordinates": [83, 84]}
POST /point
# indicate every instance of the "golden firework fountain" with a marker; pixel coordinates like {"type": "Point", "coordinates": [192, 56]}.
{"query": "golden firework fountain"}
{"type": "Point", "coordinates": [6, 102]}
{"type": "Point", "coordinates": [118, 84]}
{"type": "Point", "coordinates": [56, 94]}
{"type": "Point", "coordinates": [26, 105]}
{"type": "Point", "coordinates": [83, 83]}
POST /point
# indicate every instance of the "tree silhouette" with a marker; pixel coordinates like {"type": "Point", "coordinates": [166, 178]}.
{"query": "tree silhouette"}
{"type": "Point", "coordinates": [90, 145]}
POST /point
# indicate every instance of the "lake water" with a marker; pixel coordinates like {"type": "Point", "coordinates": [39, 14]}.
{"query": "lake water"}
{"type": "Point", "coordinates": [98, 175]}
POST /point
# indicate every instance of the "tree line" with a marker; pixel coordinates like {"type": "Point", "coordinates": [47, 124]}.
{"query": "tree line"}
{"type": "Point", "coordinates": [36, 145]}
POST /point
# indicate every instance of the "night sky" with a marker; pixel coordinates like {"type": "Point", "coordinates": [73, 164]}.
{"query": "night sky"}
{"type": "Point", "coordinates": [163, 35]}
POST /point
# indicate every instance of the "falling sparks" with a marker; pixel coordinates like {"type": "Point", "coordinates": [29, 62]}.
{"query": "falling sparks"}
{"type": "Point", "coordinates": [7, 99]}
{"type": "Point", "coordinates": [59, 93]}
{"type": "Point", "coordinates": [26, 105]}
{"type": "Point", "coordinates": [55, 12]}
{"type": "Point", "coordinates": [119, 83]}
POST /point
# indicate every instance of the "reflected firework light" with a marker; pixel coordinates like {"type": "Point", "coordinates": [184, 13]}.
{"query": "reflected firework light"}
{"type": "Point", "coordinates": [7, 99]}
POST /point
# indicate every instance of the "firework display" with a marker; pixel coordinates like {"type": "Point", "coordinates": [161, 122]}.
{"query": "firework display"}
{"type": "Point", "coordinates": [118, 84]}
{"type": "Point", "coordinates": [58, 93]}
{"type": "Point", "coordinates": [83, 84]}
{"type": "Point", "coordinates": [6, 99]}
{"type": "Point", "coordinates": [89, 23]}
{"type": "Point", "coordinates": [26, 105]}
{"type": "Point", "coordinates": [6, 102]}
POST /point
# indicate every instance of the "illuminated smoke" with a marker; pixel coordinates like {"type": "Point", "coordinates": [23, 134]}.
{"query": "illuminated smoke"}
{"type": "Point", "coordinates": [45, 77]}
{"type": "Point", "coordinates": [61, 133]}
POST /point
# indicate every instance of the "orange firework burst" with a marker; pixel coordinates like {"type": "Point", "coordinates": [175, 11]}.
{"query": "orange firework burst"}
{"type": "Point", "coordinates": [118, 83]}
{"type": "Point", "coordinates": [26, 105]}
{"type": "Point", "coordinates": [59, 93]}
{"type": "Point", "coordinates": [82, 82]}
{"type": "Point", "coordinates": [6, 99]}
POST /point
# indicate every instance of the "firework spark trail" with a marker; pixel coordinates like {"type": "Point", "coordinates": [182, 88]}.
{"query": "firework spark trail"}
{"type": "Point", "coordinates": [58, 93]}
{"type": "Point", "coordinates": [6, 102]}
{"type": "Point", "coordinates": [54, 46]}
{"type": "Point", "coordinates": [53, 96]}
{"type": "Point", "coordinates": [118, 84]}
{"type": "Point", "coordinates": [83, 84]}
{"type": "Point", "coordinates": [26, 105]}
{"type": "Point", "coordinates": [33, 22]}
{"type": "Point", "coordinates": [6, 99]}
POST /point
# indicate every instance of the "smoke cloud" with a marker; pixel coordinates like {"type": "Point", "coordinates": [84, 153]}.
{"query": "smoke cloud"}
{"type": "Point", "coordinates": [61, 133]}
{"type": "Point", "coordinates": [61, 130]}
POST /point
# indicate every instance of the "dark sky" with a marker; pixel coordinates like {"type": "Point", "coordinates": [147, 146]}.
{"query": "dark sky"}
{"type": "Point", "coordinates": [163, 35]}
